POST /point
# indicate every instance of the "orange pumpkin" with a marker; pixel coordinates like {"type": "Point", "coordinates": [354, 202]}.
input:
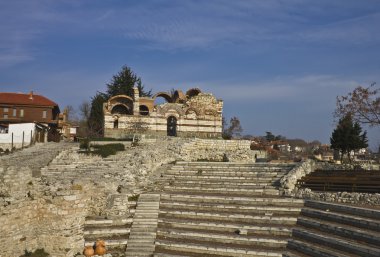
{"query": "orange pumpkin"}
{"type": "Point", "coordinates": [88, 251]}
{"type": "Point", "coordinates": [100, 247]}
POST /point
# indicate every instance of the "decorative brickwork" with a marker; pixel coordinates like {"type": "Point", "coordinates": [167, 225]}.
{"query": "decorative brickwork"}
{"type": "Point", "coordinates": [195, 114]}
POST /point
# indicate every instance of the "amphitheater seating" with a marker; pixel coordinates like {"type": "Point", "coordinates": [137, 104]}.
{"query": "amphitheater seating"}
{"type": "Point", "coordinates": [341, 180]}
{"type": "Point", "coordinates": [329, 229]}
{"type": "Point", "coordinates": [224, 209]}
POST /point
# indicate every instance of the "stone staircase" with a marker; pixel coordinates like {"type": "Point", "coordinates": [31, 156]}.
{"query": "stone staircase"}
{"type": "Point", "coordinates": [329, 229]}
{"type": "Point", "coordinates": [114, 231]}
{"type": "Point", "coordinates": [144, 227]}
{"type": "Point", "coordinates": [224, 209]}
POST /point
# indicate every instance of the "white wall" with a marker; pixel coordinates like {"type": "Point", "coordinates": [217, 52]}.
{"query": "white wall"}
{"type": "Point", "coordinates": [17, 130]}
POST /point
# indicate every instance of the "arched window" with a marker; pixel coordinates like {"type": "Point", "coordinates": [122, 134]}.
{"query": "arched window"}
{"type": "Point", "coordinates": [144, 110]}
{"type": "Point", "coordinates": [116, 124]}
{"type": "Point", "coordinates": [121, 109]}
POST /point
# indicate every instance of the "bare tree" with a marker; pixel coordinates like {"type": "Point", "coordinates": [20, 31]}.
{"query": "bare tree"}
{"type": "Point", "coordinates": [137, 127]}
{"type": "Point", "coordinates": [363, 104]}
{"type": "Point", "coordinates": [233, 130]}
{"type": "Point", "coordinates": [85, 110]}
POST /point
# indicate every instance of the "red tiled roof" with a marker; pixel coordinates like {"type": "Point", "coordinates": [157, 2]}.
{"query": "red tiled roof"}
{"type": "Point", "coordinates": [27, 99]}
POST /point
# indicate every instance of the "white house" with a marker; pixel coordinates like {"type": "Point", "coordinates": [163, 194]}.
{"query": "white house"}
{"type": "Point", "coordinates": [22, 134]}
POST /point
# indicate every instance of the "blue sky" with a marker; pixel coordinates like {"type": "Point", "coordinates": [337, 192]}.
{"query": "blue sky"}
{"type": "Point", "coordinates": [278, 65]}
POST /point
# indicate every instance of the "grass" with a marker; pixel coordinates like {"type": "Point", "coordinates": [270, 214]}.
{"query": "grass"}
{"type": "Point", "coordinates": [36, 253]}
{"type": "Point", "coordinates": [103, 150]}
{"type": "Point", "coordinates": [111, 139]}
{"type": "Point", "coordinates": [133, 198]}
{"type": "Point", "coordinates": [107, 150]}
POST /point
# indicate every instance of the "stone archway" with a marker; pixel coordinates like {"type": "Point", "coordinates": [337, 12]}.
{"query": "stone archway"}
{"type": "Point", "coordinates": [172, 126]}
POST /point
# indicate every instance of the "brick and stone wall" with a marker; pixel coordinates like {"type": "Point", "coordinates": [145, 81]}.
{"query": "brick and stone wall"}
{"type": "Point", "coordinates": [196, 116]}
{"type": "Point", "coordinates": [219, 150]}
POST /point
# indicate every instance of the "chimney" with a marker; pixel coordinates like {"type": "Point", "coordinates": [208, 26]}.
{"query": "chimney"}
{"type": "Point", "coordinates": [31, 95]}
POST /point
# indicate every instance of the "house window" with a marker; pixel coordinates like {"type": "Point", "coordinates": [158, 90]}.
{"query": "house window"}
{"type": "Point", "coordinates": [5, 109]}
{"type": "Point", "coordinates": [14, 112]}
{"type": "Point", "coordinates": [44, 114]}
{"type": "Point", "coordinates": [5, 116]}
{"type": "Point", "coordinates": [22, 113]}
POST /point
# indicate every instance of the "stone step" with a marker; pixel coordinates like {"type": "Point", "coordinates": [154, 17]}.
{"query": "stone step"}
{"type": "Point", "coordinates": [216, 250]}
{"type": "Point", "coordinates": [369, 237]}
{"type": "Point", "coordinates": [227, 227]}
{"type": "Point", "coordinates": [258, 219]}
{"type": "Point", "coordinates": [216, 173]}
{"type": "Point", "coordinates": [232, 167]}
{"type": "Point", "coordinates": [231, 208]}
{"type": "Point", "coordinates": [148, 230]}
{"type": "Point", "coordinates": [145, 211]}
{"type": "Point", "coordinates": [222, 238]}
{"type": "Point", "coordinates": [231, 164]}
{"type": "Point", "coordinates": [341, 208]}
{"type": "Point", "coordinates": [98, 221]}
{"type": "Point", "coordinates": [106, 230]}
{"type": "Point", "coordinates": [109, 242]}
{"type": "Point", "coordinates": [359, 222]}
{"type": "Point", "coordinates": [171, 255]}
{"type": "Point", "coordinates": [236, 179]}
{"type": "Point", "coordinates": [251, 201]}
{"type": "Point", "coordinates": [231, 191]}
{"type": "Point", "coordinates": [144, 227]}
{"type": "Point", "coordinates": [302, 248]}
{"type": "Point", "coordinates": [219, 184]}
{"type": "Point", "coordinates": [234, 186]}
{"type": "Point", "coordinates": [345, 245]}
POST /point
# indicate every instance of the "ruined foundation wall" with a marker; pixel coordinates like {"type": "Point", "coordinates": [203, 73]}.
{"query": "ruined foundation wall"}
{"type": "Point", "coordinates": [32, 217]}
{"type": "Point", "coordinates": [219, 150]}
{"type": "Point", "coordinates": [35, 214]}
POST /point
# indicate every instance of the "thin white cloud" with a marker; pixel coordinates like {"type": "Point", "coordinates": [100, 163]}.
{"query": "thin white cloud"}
{"type": "Point", "coordinates": [285, 89]}
{"type": "Point", "coordinates": [358, 30]}
{"type": "Point", "coordinates": [172, 25]}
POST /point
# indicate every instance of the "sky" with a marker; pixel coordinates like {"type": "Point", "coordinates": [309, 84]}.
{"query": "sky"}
{"type": "Point", "coordinates": [277, 64]}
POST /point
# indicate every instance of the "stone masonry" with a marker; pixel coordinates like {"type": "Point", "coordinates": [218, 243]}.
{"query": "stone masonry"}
{"type": "Point", "coordinates": [194, 114]}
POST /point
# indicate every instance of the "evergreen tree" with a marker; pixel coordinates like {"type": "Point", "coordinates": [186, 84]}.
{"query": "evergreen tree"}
{"type": "Point", "coordinates": [123, 82]}
{"type": "Point", "coordinates": [348, 137]}
{"type": "Point", "coordinates": [96, 119]}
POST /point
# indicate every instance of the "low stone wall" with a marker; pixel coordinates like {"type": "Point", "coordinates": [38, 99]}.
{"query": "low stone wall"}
{"type": "Point", "coordinates": [220, 150]}
{"type": "Point", "coordinates": [289, 181]}
{"type": "Point", "coordinates": [31, 216]}
{"type": "Point", "coordinates": [339, 197]}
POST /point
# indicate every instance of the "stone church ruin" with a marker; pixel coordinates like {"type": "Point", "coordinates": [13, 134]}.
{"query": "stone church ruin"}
{"type": "Point", "coordinates": [194, 114]}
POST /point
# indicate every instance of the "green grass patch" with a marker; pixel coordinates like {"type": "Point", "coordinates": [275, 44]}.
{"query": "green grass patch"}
{"type": "Point", "coordinates": [36, 253]}
{"type": "Point", "coordinates": [133, 198]}
{"type": "Point", "coordinates": [107, 150]}
{"type": "Point", "coordinates": [129, 138]}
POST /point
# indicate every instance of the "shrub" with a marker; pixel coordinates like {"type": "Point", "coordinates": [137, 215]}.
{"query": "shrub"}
{"type": "Point", "coordinates": [36, 253]}
{"type": "Point", "coordinates": [133, 198]}
{"type": "Point", "coordinates": [84, 144]}
{"type": "Point", "coordinates": [107, 150]}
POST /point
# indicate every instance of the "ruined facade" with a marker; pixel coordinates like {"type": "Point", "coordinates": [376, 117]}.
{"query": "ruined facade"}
{"type": "Point", "coordinates": [194, 114]}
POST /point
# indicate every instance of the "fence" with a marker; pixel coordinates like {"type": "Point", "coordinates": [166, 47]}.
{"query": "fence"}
{"type": "Point", "coordinates": [18, 136]}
